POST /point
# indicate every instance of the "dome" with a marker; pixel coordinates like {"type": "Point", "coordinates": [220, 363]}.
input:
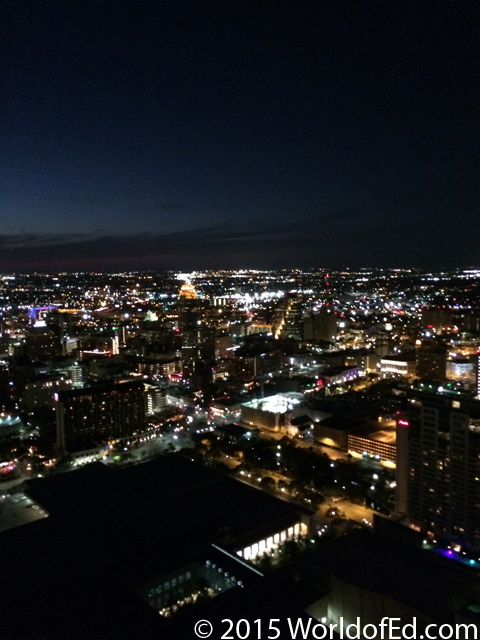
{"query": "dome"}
{"type": "Point", "coordinates": [187, 291]}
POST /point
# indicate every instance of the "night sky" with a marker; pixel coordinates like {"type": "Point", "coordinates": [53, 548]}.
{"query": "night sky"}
{"type": "Point", "coordinates": [192, 134]}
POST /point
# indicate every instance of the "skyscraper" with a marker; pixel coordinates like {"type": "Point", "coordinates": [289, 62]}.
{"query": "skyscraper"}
{"type": "Point", "coordinates": [432, 361]}
{"type": "Point", "coordinates": [93, 416]}
{"type": "Point", "coordinates": [437, 318]}
{"type": "Point", "coordinates": [477, 374]}
{"type": "Point", "coordinates": [444, 471]}
{"type": "Point", "coordinates": [321, 326]}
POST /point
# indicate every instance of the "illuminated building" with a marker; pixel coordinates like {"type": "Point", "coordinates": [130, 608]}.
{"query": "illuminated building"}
{"type": "Point", "coordinates": [156, 367]}
{"type": "Point", "coordinates": [251, 363]}
{"type": "Point", "coordinates": [222, 344]}
{"type": "Point", "coordinates": [332, 431]}
{"type": "Point", "coordinates": [477, 374]}
{"type": "Point", "coordinates": [93, 416]}
{"type": "Point", "coordinates": [189, 325]}
{"type": "Point", "coordinates": [272, 413]}
{"type": "Point", "coordinates": [401, 365]}
{"type": "Point", "coordinates": [40, 392]}
{"type": "Point", "coordinates": [374, 442]}
{"type": "Point", "coordinates": [257, 329]}
{"type": "Point", "coordinates": [36, 315]}
{"type": "Point", "coordinates": [224, 408]}
{"type": "Point", "coordinates": [187, 292]}
{"type": "Point", "coordinates": [402, 466]}
{"type": "Point", "coordinates": [338, 375]}
{"type": "Point", "coordinates": [155, 398]}
{"type": "Point", "coordinates": [459, 369]}
{"type": "Point", "coordinates": [444, 471]}
{"type": "Point", "coordinates": [10, 425]}
{"type": "Point", "coordinates": [432, 361]}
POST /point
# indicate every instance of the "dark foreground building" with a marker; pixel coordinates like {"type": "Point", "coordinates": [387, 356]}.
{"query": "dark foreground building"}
{"type": "Point", "coordinates": [438, 468]}
{"type": "Point", "coordinates": [391, 572]}
{"type": "Point", "coordinates": [122, 546]}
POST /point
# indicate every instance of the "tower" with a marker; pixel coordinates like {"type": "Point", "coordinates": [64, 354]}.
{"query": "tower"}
{"type": "Point", "coordinates": [444, 471]}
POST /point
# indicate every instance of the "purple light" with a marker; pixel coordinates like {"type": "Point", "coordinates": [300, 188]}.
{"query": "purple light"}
{"type": "Point", "coordinates": [32, 312]}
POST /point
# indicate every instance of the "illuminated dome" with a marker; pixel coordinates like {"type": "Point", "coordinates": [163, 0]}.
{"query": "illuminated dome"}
{"type": "Point", "coordinates": [187, 291]}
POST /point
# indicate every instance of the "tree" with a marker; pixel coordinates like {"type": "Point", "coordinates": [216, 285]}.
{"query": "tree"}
{"type": "Point", "coordinates": [290, 551]}
{"type": "Point", "coordinates": [268, 483]}
{"type": "Point", "coordinates": [265, 563]}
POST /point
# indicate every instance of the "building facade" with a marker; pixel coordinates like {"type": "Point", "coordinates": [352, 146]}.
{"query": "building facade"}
{"type": "Point", "coordinates": [94, 416]}
{"type": "Point", "coordinates": [432, 361]}
{"type": "Point", "coordinates": [444, 472]}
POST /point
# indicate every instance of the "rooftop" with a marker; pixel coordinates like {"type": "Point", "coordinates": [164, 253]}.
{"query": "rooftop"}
{"type": "Point", "coordinates": [101, 388]}
{"type": "Point", "coordinates": [112, 530]}
{"type": "Point", "coordinates": [424, 581]}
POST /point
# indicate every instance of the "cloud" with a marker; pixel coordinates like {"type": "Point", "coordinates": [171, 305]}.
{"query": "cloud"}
{"type": "Point", "coordinates": [346, 238]}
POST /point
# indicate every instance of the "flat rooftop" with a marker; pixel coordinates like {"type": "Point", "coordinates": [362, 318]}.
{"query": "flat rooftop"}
{"type": "Point", "coordinates": [279, 403]}
{"type": "Point", "coordinates": [112, 530]}
{"type": "Point", "coordinates": [422, 580]}
{"type": "Point", "coordinates": [386, 435]}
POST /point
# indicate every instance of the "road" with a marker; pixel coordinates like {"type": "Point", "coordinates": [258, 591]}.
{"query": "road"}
{"type": "Point", "coordinates": [334, 454]}
{"type": "Point", "coordinates": [351, 511]}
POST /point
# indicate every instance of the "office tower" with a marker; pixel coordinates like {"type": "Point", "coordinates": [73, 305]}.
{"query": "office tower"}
{"type": "Point", "coordinates": [444, 471]}
{"type": "Point", "coordinates": [189, 324]}
{"type": "Point", "coordinates": [155, 398]}
{"type": "Point", "coordinates": [432, 361]}
{"type": "Point", "coordinates": [402, 466]}
{"type": "Point", "coordinates": [321, 326]}
{"type": "Point", "coordinates": [477, 374]}
{"type": "Point", "coordinates": [223, 342]}
{"type": "Point", "coordinates": [39, 392]}
{"type": "Point", "coordinates": [94, 416]}
{"type": "Point", "coordinates": [41, 344]}
{"type": "Point", "coordinates": [436, 318]}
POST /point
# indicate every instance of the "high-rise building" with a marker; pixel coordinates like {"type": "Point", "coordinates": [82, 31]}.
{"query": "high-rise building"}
{"type": "Point", "coordinates": [40, 391]}
{"type": "Point", "coordinates": [402, 466]}
{"type": "Point", "coordinates": [94, 416]}
{"type": "Point", "coordinates": [444, 471]}
{"type": "Point", "coordinates": [477, 374]}
{"type": "Point", "coordinates": [189, 324]}
{"type": "Point", "coordinates": [432, 361]}
{"type": "Point", "coordinates": [223, 343]}
{"type": "Point", "coordinates": [155, 398]}
{"type": "Point", "coordinates": [436, 318]}
{"type": "Point", "coordinates": [41, 343]}
{"type": "Point", "coordinates": [321, 326]}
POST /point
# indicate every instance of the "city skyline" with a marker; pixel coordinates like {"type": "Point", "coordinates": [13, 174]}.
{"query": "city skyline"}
{"type": "Point", "coordinates": [273, 437]}
{"type": "Point", "coordinates": [238, 135]}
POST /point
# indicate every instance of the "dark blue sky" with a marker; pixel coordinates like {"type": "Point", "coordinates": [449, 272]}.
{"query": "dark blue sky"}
{"type": "Point", "coordinates": [201, 134]}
